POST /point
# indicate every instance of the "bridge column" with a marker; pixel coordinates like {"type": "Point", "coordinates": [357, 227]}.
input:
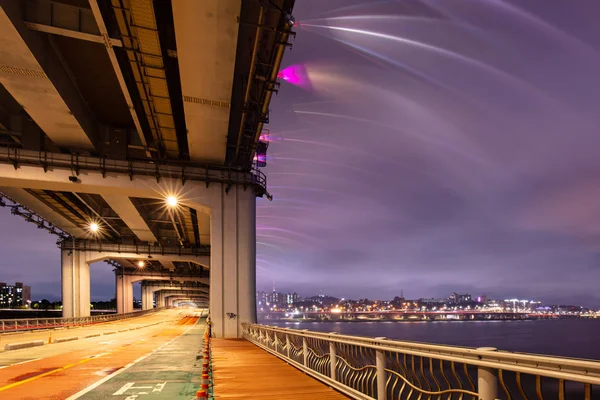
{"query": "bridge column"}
{"type": "Point", "coordinates": [75, 278]}
{"type": "Point", "coordinates": [147, 298]}
{"type": "Point", "coordinates": [232, 261]}
{"type": "Point", "coordinates": [124, 297]}
{"type": "Point", "coordinates": [160, 299]}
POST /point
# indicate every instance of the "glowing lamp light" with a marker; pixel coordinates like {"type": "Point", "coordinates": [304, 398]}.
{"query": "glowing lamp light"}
{"type": "Point", "coordinates": [296, 75]}
{"type": "Point", "coordinates": [94, 227]}
{"type": "Point", "coordinates": [141, 264]}
{"type": "Point", "coordinates": [171, 201]}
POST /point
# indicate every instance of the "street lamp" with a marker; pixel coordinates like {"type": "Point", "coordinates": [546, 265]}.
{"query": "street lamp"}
{"type": "Point", "coordinates": [171, 201]}
{"type": "Point", "coordinates": [94, 227]}
{"type": "Point", "coordinates": [141, 264]}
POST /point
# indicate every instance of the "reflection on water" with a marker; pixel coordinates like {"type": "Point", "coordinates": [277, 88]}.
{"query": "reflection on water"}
{"type": "Point", "coordinates": [571, 338]}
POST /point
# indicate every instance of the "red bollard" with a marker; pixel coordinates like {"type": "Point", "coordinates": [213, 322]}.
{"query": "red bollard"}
{"type": "Point", "coordinates": [201, 394]}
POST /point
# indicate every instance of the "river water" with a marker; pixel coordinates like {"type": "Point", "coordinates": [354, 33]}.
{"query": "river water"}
{"type": "Point", "coordinates": [578, 338]}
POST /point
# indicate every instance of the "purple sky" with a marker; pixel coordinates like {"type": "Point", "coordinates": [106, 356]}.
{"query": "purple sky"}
{"type": "Point", "coordinates": [430, 146]}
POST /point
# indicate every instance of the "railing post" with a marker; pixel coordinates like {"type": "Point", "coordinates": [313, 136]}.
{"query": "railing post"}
{"type": "Point", "coordinates": [487, 381]}
{"type": "Point", "coordinates": [305, 349]}
{"type": "Point", "coordinates": [287, 344]}
{"type": "Point", "coordinates": [332, 358]}
{"type": "Point", "coordinates": [381, 374]}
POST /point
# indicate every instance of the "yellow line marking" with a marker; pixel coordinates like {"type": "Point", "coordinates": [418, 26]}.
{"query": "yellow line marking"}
{"type": "Point", "coordinates": [33, 378]}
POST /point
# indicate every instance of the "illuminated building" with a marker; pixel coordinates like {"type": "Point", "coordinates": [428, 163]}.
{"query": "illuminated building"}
{"type": "Point", "coordinates": [14, 296]}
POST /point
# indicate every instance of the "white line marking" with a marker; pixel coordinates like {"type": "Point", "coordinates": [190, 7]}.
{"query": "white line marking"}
{"type": "Point", "coordinates": [22, 362]}
{"type": "Point", "coordinates": [119, 371]}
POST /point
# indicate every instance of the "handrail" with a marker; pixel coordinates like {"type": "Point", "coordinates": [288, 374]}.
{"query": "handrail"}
{"type": "Point", "coordinates": [378, 368]}
{"type": "Point", "coordinates": [29, 324]}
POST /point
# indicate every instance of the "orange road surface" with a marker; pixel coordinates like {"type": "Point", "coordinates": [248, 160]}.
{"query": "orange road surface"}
{"type": "Point", "coordinates": [60, 376]}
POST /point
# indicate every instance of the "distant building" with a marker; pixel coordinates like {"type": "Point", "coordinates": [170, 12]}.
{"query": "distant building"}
{"type": "Point", "coordinates": [460, 298]}
{"type": "Point", "coordinates": [292, 298]}
{"type": "Point", "coordinates": [434, 301]}
{"type": "Point", "coordinates": [14, 296]}
{"type": "Point", "coordinates": [261, 300]}
{"type": "Point", "coordinates": [265, 300]}
{"type": "Point", "coordinates": [268, 300]}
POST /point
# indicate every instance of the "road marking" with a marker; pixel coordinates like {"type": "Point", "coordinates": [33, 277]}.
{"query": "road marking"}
{"type": "Point", "coordinates": [159, 387]}
{"type": "Point", "coordinates": [120, 371]}
{"type": "Point", "coordinates": [98, 355]}
{"type": "Point", "coordinates": [129, 386]}
{"type": "Point", "coordinates": [33, 378]}
{"type": "Point", "coordinates": [109, 342]}
{"type": "Point", "coordinates": [19, 363]}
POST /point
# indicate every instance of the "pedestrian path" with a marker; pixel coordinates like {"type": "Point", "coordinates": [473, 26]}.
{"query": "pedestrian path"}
{"type": "Point", "coordinates": [242, 370]}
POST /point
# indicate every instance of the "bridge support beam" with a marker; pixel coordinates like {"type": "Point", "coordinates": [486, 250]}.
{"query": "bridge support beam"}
{"type": "Point", "coordinates": [75, 278]}
{"type": "Point", "coordinates": [232, 261]}
{"type": "Point", "coordinates": [124, 297]}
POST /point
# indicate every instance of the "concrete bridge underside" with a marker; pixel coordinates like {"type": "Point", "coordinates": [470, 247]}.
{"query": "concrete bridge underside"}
{"type": "Point", "coordinates": [131, 132]}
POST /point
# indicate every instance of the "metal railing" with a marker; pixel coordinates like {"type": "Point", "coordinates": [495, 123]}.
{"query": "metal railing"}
{"type": "Point", "coordinates": [158, 168]}
{"type": "Point", "coordinates": [29, 324]}
{"type": "Point", "coordinates": [96, 245]}
{"type": "Point", "coordinates": [377, 368]}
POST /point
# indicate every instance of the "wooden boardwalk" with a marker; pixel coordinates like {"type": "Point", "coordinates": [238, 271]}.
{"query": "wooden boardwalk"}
{"type": "Point", "coordinates": [242, 370]}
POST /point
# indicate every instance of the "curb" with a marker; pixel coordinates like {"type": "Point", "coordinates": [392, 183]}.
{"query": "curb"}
{"type": "Point", "coordinates": [23, 345]}
{"type": "Point", "coordinates": [92, 335]}
{"type": "Point", "coordinates": [67, 339]}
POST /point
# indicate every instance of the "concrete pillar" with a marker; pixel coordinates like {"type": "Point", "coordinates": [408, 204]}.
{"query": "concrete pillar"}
{"type": "Point", "coordinates": [147, 298]}
{"type": "Point", "coordinates": [232, 261]}
{"type": "Point", "coordinates": [75, 277]}
{"type": "Point", "coordinates": [150, 300]}
{"type": "Point", "coordinates": [124, 286]}
{"type": "Point", "coordinates": [160, 299]}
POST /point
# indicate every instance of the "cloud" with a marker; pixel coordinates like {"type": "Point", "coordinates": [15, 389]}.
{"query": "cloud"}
{"type": "Point", "coordinates": [477, 174]}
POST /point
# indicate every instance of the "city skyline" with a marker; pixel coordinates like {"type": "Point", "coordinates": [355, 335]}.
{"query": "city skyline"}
{"type": "Point", "coordinates": [401, 294]}
{"type": "Point", "coordinates": [463, 169]}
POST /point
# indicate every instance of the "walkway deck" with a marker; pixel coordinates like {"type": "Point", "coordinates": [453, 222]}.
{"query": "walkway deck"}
{"type": "Point", "coordinates": [242, 370]}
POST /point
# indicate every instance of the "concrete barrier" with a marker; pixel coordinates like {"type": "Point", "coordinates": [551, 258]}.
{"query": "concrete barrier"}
{"type": "Point", "coordinates": [66, 339]}
{"type": "Point", "coordinates": [92, 335]}
{"type": "Point", "coordinates": [23, 345]}
{"type": "Point", "coordinates": [110, 333]}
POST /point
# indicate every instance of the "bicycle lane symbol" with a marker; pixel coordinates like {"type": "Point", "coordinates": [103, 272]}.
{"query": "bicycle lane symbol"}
{"type": "Point", "coordinates": [133, 392]}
